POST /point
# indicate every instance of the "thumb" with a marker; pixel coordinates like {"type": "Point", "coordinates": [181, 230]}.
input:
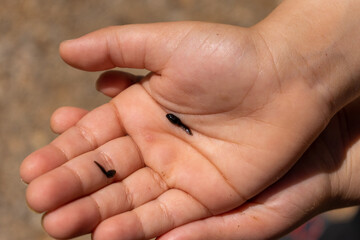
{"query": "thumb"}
{"type": "Point", "coordinates": [146, 46]}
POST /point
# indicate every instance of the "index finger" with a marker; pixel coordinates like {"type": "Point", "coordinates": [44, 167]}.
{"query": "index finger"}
{"type": "Point", "coordinates": [93, 130]}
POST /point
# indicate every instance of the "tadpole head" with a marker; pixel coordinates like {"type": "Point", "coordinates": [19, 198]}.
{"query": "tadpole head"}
{"type": "Point", "coordinates": [173, 119]}
{"type": "Point", "coordinates": [110, 173]}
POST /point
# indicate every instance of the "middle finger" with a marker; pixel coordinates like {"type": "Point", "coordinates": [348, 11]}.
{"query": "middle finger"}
{"type": "Point", "coordinates": [82, 176]}
{"type": "Point", "coordinates": [83, 215]}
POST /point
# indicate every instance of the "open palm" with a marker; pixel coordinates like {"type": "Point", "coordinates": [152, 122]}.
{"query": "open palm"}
{"type": "Point", "coordinates": [324, 178]}
{"type": "Point", "coordinates": [251, 120]}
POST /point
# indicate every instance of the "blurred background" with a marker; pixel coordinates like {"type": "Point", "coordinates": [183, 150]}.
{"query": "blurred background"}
{"type": "Point", "coordinates": [34, 81]}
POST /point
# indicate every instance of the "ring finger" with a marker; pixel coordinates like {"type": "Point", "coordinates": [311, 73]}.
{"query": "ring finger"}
{"type": "Point", "coordinates": [83, 215]}
{"type": "Point", "coordinates": [81, 176]}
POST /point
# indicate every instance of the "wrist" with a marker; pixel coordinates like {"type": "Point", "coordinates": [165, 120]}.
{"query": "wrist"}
{"type": "Point", "coordinates": [316, 41]}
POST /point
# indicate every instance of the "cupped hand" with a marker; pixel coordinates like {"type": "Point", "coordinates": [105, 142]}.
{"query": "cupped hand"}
{"type": "Point", "coordinates": [324, 178]}
{"type": "Point", "coordinates": [251, 120]}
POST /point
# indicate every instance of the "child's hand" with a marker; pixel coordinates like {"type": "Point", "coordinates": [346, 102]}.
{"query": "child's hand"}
{"type": "Point", "coordinates": [326, 177]}
{"type": "Point", "coordinates": [251, 119]}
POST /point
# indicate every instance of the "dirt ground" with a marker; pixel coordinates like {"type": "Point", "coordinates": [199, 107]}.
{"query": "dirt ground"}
{"type": "Point", "coordinates": [34, 81]}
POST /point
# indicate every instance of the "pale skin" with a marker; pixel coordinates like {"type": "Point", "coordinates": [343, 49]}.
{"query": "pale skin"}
{"type": "Point", "coordinates": [322, 179]}
{"type": "Point", "coordinates": [254, 99]}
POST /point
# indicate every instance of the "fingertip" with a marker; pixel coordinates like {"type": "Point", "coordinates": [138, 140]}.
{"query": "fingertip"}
{"type": "Point", "coordinates": [75, 218]}
{"type": "Point", "coordinates": [24, 170]}
{"type": "Point", "coordinates": [40, 162]}
{"type": "Point", "coordinates": [86, 53]}
{"type": "Point", "coordinates": [64, 44]}
{"type": "Point", "coordinates": [36, 196]}
{"type": "Point", "coordinates": [65, 49]}
{"type": "Point", "coordinates": [65, 117]}
{"type": "Point", "coordinates": [31, 167]}
{"type": "Point", "coordinates": [111, 83]}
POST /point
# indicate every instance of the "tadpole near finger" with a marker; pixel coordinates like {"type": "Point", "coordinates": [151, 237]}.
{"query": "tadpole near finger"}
{"type": "Point", "coordinates": [176, 121]}
{"type": "Point", "coordinates": [109, 174]}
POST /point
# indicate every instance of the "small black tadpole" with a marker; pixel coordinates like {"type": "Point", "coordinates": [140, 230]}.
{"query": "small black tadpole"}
{"type": "Point", "coordinates": [176, 121]}
{"type": "Point", "coordinates": [108, 174]}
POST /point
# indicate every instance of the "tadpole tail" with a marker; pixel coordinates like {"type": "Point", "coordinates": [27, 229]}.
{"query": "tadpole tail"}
{"type": "Point", "coordinates": [176, 121]}
{"type": "Point", "coordinates": [101, 167]}
{"type": "Point", "coordinates": [186, 129]}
